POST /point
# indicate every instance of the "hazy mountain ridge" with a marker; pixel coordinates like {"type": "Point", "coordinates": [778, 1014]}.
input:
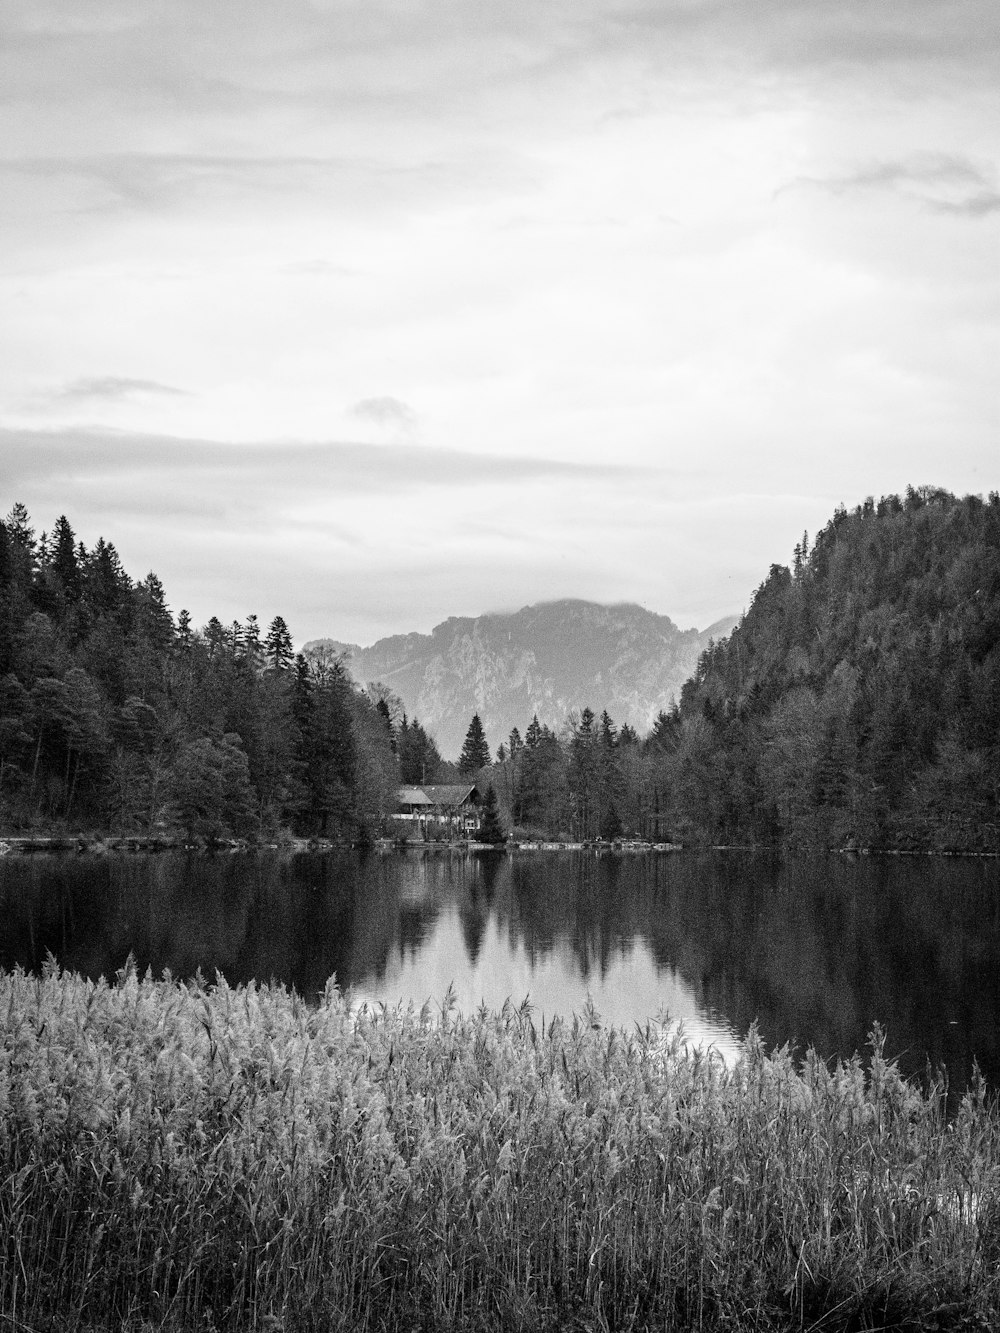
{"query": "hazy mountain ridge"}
{"type": "Point", "coordinates": [547, 659]}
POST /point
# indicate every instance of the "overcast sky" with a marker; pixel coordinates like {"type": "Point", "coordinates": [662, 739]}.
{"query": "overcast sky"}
{"type": "Point", "coordinates": [369, 313]}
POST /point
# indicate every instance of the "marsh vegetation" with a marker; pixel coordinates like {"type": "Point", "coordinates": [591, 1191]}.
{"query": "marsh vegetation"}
{"type": "Point", "coordinates": [177, 1155]}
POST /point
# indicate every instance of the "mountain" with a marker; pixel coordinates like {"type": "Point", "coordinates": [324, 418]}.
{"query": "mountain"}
{"type": "Point", "coordinates": [546, 659]}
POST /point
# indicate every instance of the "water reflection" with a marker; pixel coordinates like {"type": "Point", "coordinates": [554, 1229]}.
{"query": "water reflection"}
{"type": "Point", "coordinates": [814, 950]}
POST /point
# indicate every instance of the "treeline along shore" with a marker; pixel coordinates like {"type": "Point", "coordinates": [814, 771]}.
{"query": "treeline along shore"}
{"type": "Point", "coordinates": [856, 704]}
{"type": "Point", "coordinates": [181, 1156]}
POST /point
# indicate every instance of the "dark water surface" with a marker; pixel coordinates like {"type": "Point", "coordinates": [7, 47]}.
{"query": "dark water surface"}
{"type": "Point", "coordinates": [813, 950]}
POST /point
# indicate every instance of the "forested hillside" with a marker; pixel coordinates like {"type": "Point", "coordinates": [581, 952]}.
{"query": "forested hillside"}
{"type": "Point", "coordinates": [114, 715]}
{"type": "Point", "coordinates": [858, 701]}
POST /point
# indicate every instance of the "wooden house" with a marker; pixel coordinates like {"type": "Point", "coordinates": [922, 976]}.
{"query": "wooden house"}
{"type": "Point", "coordinates": [441, 810]}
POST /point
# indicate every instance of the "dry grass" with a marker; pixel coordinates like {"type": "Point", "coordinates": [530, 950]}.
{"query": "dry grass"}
{"type": "Point", "coordinates": [193, 1157]}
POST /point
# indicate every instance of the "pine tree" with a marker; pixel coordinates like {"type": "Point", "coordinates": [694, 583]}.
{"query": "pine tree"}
{"type": "Point", "coordinates": [611, 824]}
{"type": "Point", "coordinates": [584, 774]}
{"type": "Point", "coordinates": [20, 531]}
{"type": "Point", "coordinates": [153, 619]}
{"type": "Point", "coordinates": [475, 752]}
{"type": "Point", "coordinates": [215, 637]}
{"type": "Point", "coordinates": [252, 648]}
{"type": "Point", "coordinates": [490, 829]}
{"type": "Point", "coordinates": [106, 586]}
{"type": "Point", "coordinates": [419, 757]}
{"type": "Point", "coordinates": [278, 646]}
{"type": "Point", "coordinates": [382, 708]}
{"type": "Point", "coordinates": [65, 565]}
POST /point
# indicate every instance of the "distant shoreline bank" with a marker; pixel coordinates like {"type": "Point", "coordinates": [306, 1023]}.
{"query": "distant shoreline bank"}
{"type": "Point", "coordinates": [99, 845]}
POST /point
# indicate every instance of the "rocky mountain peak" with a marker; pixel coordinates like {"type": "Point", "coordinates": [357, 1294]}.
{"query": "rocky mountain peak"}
{"type": "Point", "coordinates": [548, 658]}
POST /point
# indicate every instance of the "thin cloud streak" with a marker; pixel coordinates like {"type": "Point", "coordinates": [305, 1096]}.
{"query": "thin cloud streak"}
{"type": "Point", "coordinates": [150, 183]}
{"type": "Point", "coordinates": [322, 504]}
{"type": "Point", "coordinates": [112, 387]}
{"type": "Point", "coordinates": [976, 206]}
{"type": "Point", "coordinates": [930, 178]}
{"type": "Point", "coordinates": [275, 467]}
{"type": "Point", "coordinates": [301, 530]}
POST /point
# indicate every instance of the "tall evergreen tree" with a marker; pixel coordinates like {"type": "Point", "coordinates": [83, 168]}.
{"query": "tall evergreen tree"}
{"type": "Point", "coordinates": [382, 708]}
{"type": "Point", "coordinates": [106, 586]}
{"type": "Point", "coordinates": [252, 648]}
{"type": "Point", "coordinates": [65, 565]}
{"type": "Point", "coordinates": [475, 752]}
{"type": "Point", "coordinates": [419, 757]}
{"type": "Point", "coordinates": [278, 646]}
{"type": "Point", "coordinates": [585, 774]}
{"type": "Point", "coordinates": [490, 828]}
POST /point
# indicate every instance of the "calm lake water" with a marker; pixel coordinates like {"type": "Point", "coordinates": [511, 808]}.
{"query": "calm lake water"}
{"type": "Point", "coordinates": [812, 950]}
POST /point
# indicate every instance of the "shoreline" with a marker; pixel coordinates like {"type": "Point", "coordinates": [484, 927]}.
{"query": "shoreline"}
{"type": "Point", "coordinates": [135, 844]}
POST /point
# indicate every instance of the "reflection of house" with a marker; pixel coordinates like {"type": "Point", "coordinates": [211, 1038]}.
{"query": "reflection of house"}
{"type": "Point", "coordinates": [441, 810]}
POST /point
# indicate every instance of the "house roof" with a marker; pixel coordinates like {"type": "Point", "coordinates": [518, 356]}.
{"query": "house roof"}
{"type": "Point", "coordinates": [413, 796]}
{"type": "Point", "coordinates": [452, 794]}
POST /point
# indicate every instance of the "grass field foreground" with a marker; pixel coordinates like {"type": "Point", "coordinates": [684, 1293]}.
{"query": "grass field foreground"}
{"type": "Point", "coordinates": [191, 1156]}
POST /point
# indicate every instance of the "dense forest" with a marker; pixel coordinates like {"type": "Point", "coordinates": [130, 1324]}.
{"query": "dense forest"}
{"type": "Point", "coordinates": [857, 703]}
{"type": "Point", "coordinates": [114, 715]}
{"type": "Point", "coordinates": [859, 700]}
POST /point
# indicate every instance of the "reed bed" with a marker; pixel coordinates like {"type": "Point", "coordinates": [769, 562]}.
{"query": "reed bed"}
{"type": "Point", "coordinates": [191, 1156]}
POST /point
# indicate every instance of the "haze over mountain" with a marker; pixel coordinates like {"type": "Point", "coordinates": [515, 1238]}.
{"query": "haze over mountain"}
{"type": "Point", "coordinates": [546, 659]}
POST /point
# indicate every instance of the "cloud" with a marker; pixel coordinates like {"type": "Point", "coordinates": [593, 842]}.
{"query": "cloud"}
{"type": "Point", "coordinates": [196, 475]}
{"type": "Point", "coordinates": [548, 227]}
{"type": "Point", "coordinates": [945, 182]}
{"type": "Point", "coordinates": [871, 37]}
{"type": "Point", "coordinates": [114, 387]}
{"type": "Point", "coordinates": [929, 169]}
{"type": "Point", "coordinates": [371, 59]}
{"type": "Point", "coordinates": [153, 180]}
{"type": "Point", "coordinates": [338, 537]}
{"type": "Point", "coordinates": [385, 411]}
{"type": "Point", "coordinates": [975, 206]}
{"type": "Point", "coordinates": [376, 178]}
{"type": "Point", "coordinates": [45, 18]}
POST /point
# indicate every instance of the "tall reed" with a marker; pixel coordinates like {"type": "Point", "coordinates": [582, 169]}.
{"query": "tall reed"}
{"type": "Point", "coordinates": [187, 1156]}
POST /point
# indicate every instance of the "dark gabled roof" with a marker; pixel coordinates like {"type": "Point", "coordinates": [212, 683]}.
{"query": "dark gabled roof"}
{"type": "Point", "coordinates": [448, 794]}
{"type": "Point", "coordinates": [451, 793]}
{"type": "Point", "coordinates": [413, 796]}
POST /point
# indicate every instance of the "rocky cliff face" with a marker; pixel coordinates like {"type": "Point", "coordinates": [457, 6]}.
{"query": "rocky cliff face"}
{"type": "Point", "coordinates": [545, 659]}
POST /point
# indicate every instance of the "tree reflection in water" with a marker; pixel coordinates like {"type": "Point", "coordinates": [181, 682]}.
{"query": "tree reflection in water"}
{"type": "Point", "coordinates": [813, 949]}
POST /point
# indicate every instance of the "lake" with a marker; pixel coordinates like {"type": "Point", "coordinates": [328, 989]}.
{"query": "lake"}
{"type": "Point", "coordinates": [812, 949]}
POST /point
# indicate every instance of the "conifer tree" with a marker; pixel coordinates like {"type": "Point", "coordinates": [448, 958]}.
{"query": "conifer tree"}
{"type": "Point", "coordinates": [490, 828]}
{"type": "Point", "coordinates": [475, 752]}
{"type": "Point", "coordinates": [278, 645]}
{"type": "Point", "coordinates": [65, 565]}
{"type": "Point", "coordinates": [382, 708]}
{"type": "Point", "coordinates": [252, 648]}
{"type": "Point", "coordinates": [611, 824]}
{"type": "Point", "coordinates": [153, 618]}
{"type": "Point", "coordinates": [419, 757]}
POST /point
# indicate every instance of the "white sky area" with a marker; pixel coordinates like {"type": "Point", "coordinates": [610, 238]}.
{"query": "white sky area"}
{"type": "Point", "coordinates": [367, 313]}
